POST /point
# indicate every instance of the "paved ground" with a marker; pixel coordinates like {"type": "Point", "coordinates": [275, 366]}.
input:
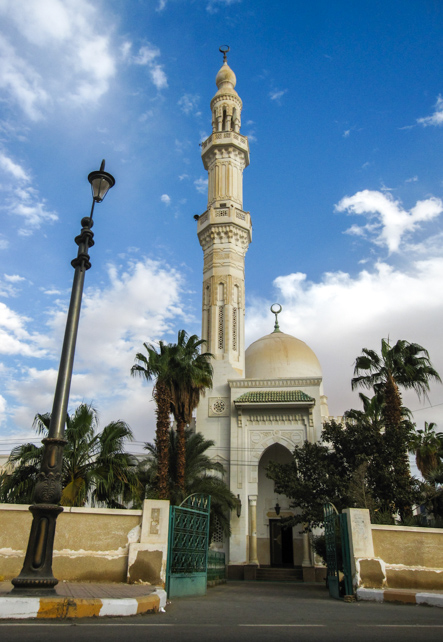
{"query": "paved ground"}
{"type": "Point", "coordinates": [89, 590]}
{"type": "Point", "coordinates": [249, 612]}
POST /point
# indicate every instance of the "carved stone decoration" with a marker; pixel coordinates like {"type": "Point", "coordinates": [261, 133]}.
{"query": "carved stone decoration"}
{"type": "Point", "coordinates": [48, 489]}
{"type": "Point", "coordinates": [218, 406]}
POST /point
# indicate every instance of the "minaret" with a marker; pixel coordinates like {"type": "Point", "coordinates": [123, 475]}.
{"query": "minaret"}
{"type": "Point", "coordinates": [224, 232]}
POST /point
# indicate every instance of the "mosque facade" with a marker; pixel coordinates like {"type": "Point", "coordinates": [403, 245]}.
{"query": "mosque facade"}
{"type": "Point", "coordinates": [267, 398]}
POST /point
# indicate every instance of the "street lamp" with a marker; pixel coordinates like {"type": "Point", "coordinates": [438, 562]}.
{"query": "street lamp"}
{"type": "Point", "coordinates": [37, 568]}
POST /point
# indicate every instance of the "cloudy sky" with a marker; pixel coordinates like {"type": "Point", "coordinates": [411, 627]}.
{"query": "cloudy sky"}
{"type": "Point", "coordinates": [343, 108]}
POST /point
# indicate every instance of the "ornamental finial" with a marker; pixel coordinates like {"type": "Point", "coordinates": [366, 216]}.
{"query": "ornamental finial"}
{"type": "Point", "coordinates": [276, 312]}
{"type": "Point", "coordinates": [224, 50]}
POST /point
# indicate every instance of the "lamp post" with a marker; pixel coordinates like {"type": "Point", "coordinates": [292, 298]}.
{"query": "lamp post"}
{"type": "Point", "coordinates": [37, 568]}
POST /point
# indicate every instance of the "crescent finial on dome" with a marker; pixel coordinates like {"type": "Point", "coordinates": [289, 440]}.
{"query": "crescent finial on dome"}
{"type": "Point", "coordinates": [225, 76]}
{"type": "Point", "coordinates": [276, 312]}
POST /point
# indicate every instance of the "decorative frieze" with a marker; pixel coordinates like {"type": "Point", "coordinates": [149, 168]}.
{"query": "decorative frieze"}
{"type": "Point", "coordinates": [276, 418]}
{"type": "Point", "coordinates": [273, 383]}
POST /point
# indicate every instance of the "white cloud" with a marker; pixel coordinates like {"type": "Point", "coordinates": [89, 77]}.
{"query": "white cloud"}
{"type": "Point", "coordinates": [201, 185]}
{"type": "Point", "coordinates": [341, 314]}
{"type": "Point", "coordinates": [64, 54]}
{"type": "Point", "coordinates": [346, 133]}
{"type": "Point", "coordinates": [4, 244]}
{"type": "Point", "coordinates": [158, 76]}
{"type": "Point", "coordinates": [183, 176]}
{"type": "Point", "coordinates": [139, 303]}
{"type": "Point", "coordinates": [437, 117]}
{"type": "Point", "coordinates": [20, 198]}
{"type": "Point", "coordinates": [276, 94]}
{"type": "Point", "coordinates": [14, 278]}
{"type": "Point", "coordinates": [146, 55]}
{"type": "Point", "coordinates": [165, 199]}
{"type": "Point", "coordinates": [15, 339]}
{"type": "Point", "coordinates": [161, 5]}
{"type": "Point", "coordinates": [12, 168]}
{"type": "Point", "coordinates": [388, 221]}
{"type": "Point", "coordinates": [26, 203]}
{"type": "Point", "coordinates": [3, 406]}
{"type": "Point", "coordinates": [189, 103]}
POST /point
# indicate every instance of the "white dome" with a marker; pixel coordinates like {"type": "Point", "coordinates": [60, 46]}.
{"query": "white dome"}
{"type": "Point", "coordinates": [280, 356]}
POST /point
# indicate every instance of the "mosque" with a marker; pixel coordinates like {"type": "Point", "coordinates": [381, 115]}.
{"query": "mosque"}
{"type": "Point", "coordinates": [267, 398]}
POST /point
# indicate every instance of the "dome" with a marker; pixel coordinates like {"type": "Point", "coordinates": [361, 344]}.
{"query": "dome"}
{"type": "Point", "coordinates": [280, 356]}
{"type": "Point", "coordinates": [225, 75]}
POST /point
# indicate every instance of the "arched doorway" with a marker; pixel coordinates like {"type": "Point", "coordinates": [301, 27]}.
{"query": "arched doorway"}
{"type": "Point", "coordinates": [276, 546]}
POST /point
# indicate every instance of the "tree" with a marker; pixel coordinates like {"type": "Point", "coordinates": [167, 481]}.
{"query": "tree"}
{"type": "Point", "coordinates": [405, 365]}
{"type": "Point", "coordinates": [94, 463]}
{"type": "Point", "coordinates": [182, 374]}
{"type": "Point", "coordinates": [191, 375]}
{"type": "Point", "coordinates": [202, 475]}
{"type": "Point", "coordinates": [427, 445]}
{"type": "Point", "coordinates": [157, 365]}
{"type": "Point", "coordinates": [351, 467]}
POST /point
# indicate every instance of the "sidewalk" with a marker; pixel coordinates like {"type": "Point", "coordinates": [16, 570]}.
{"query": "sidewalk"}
{"type": "Point", "coordinates": [83, 600]}
{"type": "Point", "coordinates": [405, 596]}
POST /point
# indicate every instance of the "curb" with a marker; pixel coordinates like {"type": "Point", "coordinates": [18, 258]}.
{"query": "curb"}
{"type": "Point", "coordinates": [400, 595]}
{"type": "Point", "coordinates": [20, 608]}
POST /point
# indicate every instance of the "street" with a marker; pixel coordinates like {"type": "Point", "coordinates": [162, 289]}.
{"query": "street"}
{"type": "Point", "coordinates": [248, 611]}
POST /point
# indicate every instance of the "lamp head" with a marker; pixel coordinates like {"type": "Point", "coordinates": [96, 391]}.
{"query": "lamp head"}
{"type": "Point", "coordinates": [238, 506]}
{"type": "Point", "coordinates": [101, 183]}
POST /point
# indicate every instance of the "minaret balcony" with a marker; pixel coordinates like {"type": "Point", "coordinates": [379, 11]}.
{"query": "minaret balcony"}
{"type": "Point", "coordinates": [220, 139]}
{"type": "Point", "coordinates": [224, 216]}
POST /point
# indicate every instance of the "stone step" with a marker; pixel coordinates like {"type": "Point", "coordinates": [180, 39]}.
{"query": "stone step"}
{"type": "Point", "coordinates": [270, 574]}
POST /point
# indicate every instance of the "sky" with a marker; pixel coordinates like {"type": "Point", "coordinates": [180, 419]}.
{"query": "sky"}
{"type": "Point", "coordinates": [343, 108]}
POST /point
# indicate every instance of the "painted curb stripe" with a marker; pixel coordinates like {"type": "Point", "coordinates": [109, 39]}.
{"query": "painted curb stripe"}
{"type": "Point", "coordinates": [148, 603]}
{"type": "Point", "coordinates": [391, 595]}
{"type": "Point", "coordinates": [13, 609]}
{"type": "Point", "coordinates": [115, 606]}
{"type": "Point", "coordinates": [64, 607]}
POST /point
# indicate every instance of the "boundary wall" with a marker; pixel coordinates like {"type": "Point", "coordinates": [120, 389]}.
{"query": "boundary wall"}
{"type": "Point", "coordinates": [394, 557]}
{"type": "Point", "coordinates": [93, 544]}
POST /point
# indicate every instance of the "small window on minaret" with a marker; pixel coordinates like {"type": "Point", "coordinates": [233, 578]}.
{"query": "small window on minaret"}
{"type": "Point", "coordinates": [224, 126]}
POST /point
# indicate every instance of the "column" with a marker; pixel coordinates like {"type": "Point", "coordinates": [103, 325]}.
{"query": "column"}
{"type": "Point", "coordinates": [253, 529]}
{"type": "Point", "coordinates": [306, 551]}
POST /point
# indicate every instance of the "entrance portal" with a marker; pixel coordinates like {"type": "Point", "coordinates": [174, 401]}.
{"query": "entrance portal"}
{"type": "Point", "coordinates": [282, 553]}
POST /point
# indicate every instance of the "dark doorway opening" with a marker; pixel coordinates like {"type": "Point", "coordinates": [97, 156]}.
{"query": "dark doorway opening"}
{"type": "Point", "coordinates": [282, 552]}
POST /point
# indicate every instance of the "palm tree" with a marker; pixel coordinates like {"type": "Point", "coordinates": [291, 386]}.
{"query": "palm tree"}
{"type": "Point", "coordinates": [427, 446]}
{"type": "Point", "coordinates": [404, 364]}
{"type": "Point", "coordinates": [202, 475]}
{"type": "Point", "coordinates": [407, 365]}
{"type": "Point", "coordinates": [372, 412]}
{"type": "Point", "coordinates": [17, 487]}
{"type": "Point", "coordinates": [94, 464]}
{"type": "Point", "coordinates": [157, 365]}
{"type": "Point", "coordinates": [191, 375]}
{"type": "Point", "coordinates": [181, 376]}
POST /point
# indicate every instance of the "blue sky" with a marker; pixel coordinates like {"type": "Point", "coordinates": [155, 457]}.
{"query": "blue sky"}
{"type": "Point", "coordinates": [342, 105]}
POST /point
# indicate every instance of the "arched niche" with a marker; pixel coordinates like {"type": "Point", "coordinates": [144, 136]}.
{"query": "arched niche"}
{"type": "Point", "coordinates": [266, 499]}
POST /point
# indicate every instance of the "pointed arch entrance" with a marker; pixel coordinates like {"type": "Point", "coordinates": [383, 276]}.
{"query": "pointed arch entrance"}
{"type": "Point", "coordinates": [276, 546]}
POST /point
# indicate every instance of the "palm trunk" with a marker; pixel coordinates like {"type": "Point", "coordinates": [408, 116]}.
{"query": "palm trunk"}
{"type": "Point", "coordinates": [397, 446]}
{"type": "Point", "coordinates": [181, 455]}
{"type": "Point", "coordinates": [163, 401]}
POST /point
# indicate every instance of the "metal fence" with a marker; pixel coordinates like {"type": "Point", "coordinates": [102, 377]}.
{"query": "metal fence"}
{"type": "Point", "coordinates": [216, 566]}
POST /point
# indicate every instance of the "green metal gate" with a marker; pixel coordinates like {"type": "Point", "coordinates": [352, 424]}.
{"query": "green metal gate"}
{"type": "Point", "coordinates": [338, 556]}
{"type": "Point", "coordinates": [187, 565]}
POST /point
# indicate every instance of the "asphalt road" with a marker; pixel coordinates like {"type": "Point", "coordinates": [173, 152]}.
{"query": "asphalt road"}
{"type": "Point", "coordinates": [248, 612]}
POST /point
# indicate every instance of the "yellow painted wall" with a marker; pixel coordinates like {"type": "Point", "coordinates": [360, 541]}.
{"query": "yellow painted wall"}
{"type": "Point", "coordinates": [90, 544]}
